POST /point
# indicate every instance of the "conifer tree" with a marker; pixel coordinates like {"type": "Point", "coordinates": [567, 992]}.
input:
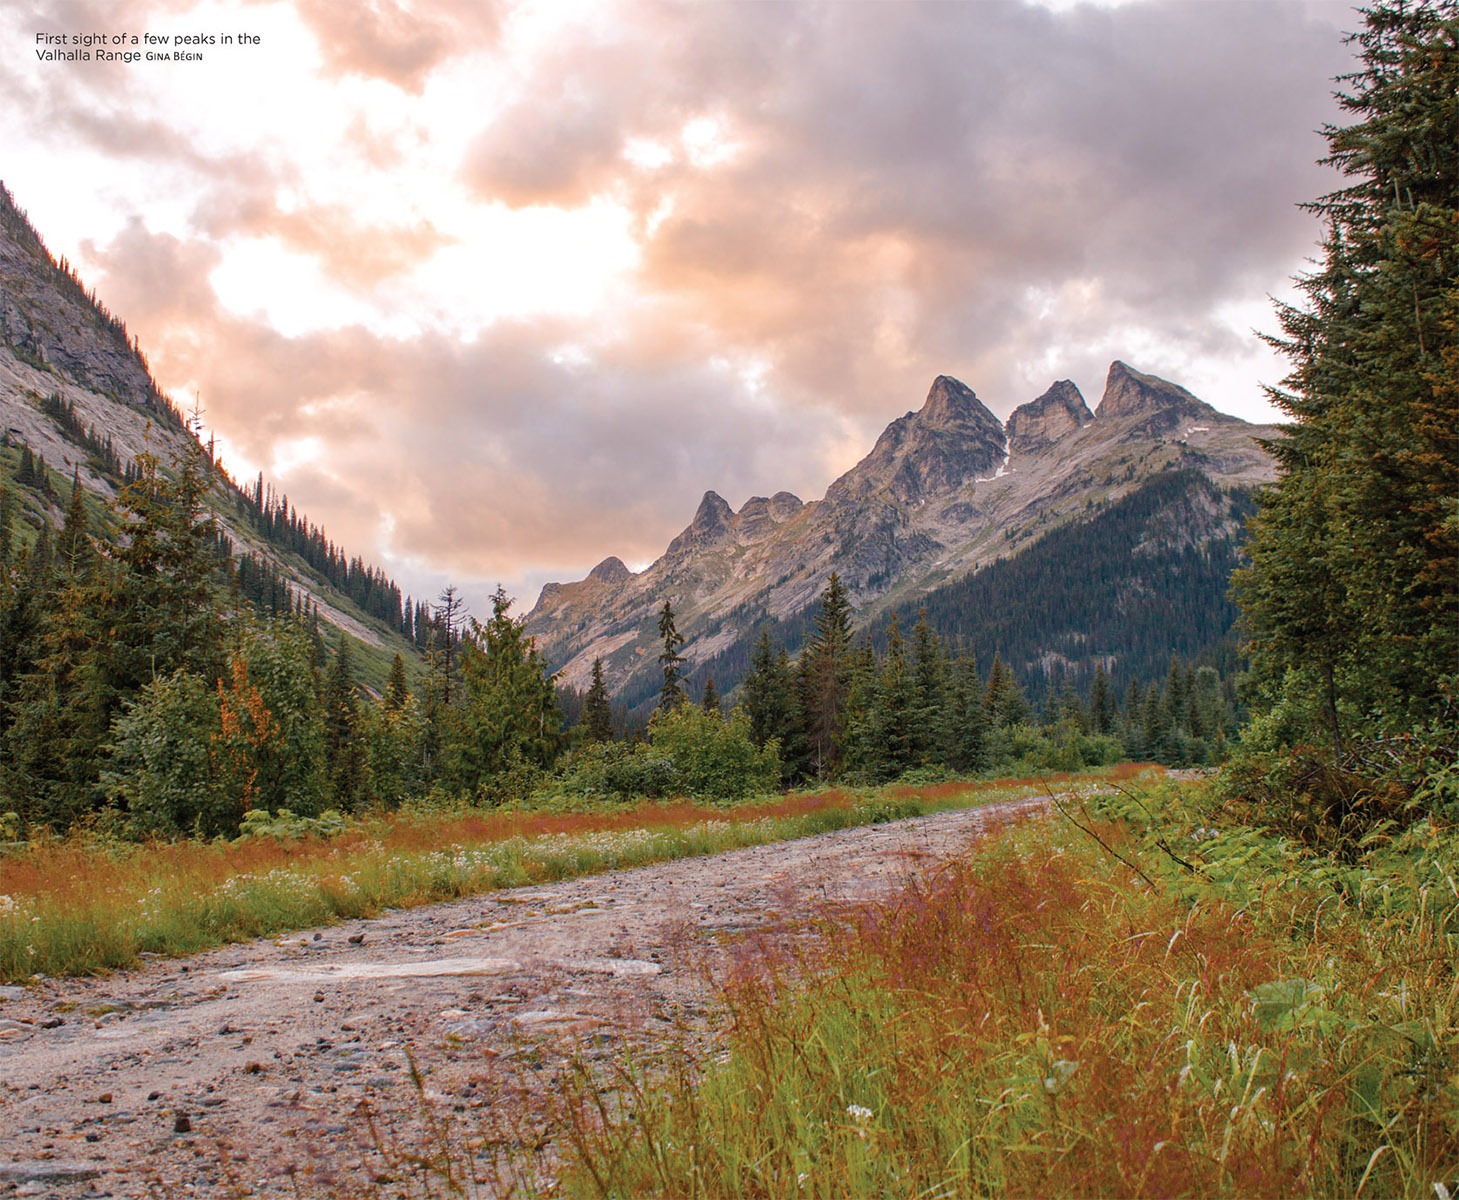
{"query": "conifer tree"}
{"type": "Point", "coordinates": [597, 712]}
{"type": "Point", "coordinates": [1004, 701]}
{"type": "Point", "coordinates": [709, 701]}
{"type": "Point", "coordinates": [344, 752]}
{"type": "Point", "coordinates": [397, 691]}
{"type": "Point", "coordinates": [1350, 596]}
{"type": "Point", "coordinates": [510, 715]}
{"type": "Point", "coordinates": [896, 741]}
{"type": "Point", "coordinates": [970, 748]}
{"type": "Point", "coordinates": [7, 521]}
{"type": "Point", "coordinates": [1101, 707]}
{"type": "Point", "coordinates": [931, 734]}
{"type": "Point", "coordinates": [671, 694]}
{"type": "Point", "coordinates": [824, 677]}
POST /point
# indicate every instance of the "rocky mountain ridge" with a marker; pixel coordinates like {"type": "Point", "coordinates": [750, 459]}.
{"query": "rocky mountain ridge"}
{"type": "Point", "coordinates": [57, 340]}
{"type": "Point", "coordinates": [945, 491]}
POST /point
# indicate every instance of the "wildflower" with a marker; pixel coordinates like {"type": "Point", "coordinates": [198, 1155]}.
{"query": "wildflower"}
{"type": "Point", "coordinates": [7, 906]}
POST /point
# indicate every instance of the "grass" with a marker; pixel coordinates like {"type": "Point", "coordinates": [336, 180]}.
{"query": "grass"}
{"type": "Point", "coordinates": [82, 906]}
{"type": "Point", "coordinates": [1039, 1019]}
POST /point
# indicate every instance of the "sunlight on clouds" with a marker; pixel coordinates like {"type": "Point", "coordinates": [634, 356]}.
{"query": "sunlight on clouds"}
{"type": "Point", "coordinates": [528, 261]}
{"type": "Point", "coordinates": [647, 153]}
{"type": "Point", "coordinates": [291, 453]}
{"type": "Point", "coordinates": [707, 143]}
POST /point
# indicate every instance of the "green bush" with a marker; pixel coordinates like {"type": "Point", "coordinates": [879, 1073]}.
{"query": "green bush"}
{"type": "Point", "coordinates": [715, 759]}
{"type": "Point", "coordinates": [161, 771]}
{"type": "Point", "coordinates": [618, 771]}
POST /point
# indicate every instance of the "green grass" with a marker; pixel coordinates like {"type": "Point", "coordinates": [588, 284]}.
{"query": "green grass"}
{"type": "Point", "coordinates": [81, 906]}
{"type": "Point", "coordinates": [1043, 1019]}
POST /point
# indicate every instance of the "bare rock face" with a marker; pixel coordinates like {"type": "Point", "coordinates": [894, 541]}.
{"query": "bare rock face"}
{"type": "Point", "coordinates": [950, 441]}
{"type": "Point", "coordinates": [711, 525]}
{"type": "Point", "coordinates": [1149, 403]}
{"type": "Point", "coordinates": [610, 571]}
{"type": "Point", "coordinates": [1037, 425]}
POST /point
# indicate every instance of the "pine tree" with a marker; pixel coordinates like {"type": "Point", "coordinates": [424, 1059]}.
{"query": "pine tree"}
{"type": "Point", "coordinates": [1003, 701]}
{"type": "Point", "coordinates": [344, 752]}
{"type": "Point", "coordinates": [597, 712]}
{"type": "Point", "coordinates": [397, 692]}
{"type": "Point", "coordinates": [7, 520]}
{"type": "Point", "coordinates": [824, 677]}
{"type": "Point", "coordinates": [1350, 592]}
{"type": "Point", "coordinates": [510, 714]}
{"type": "Point", "coordinates": [1101, 708]}
{"type": "Point", "coordinates": [931, 734]}
{"type": "Point", "coordinates": [709, 701]}
{"type": "Point", "coordinates": [74, 545]}
{"type": "Point", "coordinates": [894, 740]}
{"type": "Point", "coordinates": [970, 728]}
{"type": "Point", "coordinates": [671, 694]}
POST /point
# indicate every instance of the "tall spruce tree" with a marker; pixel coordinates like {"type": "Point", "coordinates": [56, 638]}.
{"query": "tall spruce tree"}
{"type": "Point", "coordinates": [824, 677]}
{"type": "Point", "coordinates": [1350, 595]}
{"type": "Point", "coordinates": [597, 712]}
{"type": "Point", "coordinates": [671, 693]}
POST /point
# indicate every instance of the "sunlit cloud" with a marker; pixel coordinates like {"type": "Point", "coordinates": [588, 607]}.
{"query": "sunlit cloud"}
{"type": "Point", "coordinates": [562, 266]}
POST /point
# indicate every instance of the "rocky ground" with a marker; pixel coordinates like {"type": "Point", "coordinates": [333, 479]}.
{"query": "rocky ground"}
{"type": "Point", "coordinates": [260, 1069]}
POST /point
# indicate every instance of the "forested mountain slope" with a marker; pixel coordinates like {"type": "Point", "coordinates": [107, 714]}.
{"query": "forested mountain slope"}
{"type": "Point", "coordinates": [77, 400]}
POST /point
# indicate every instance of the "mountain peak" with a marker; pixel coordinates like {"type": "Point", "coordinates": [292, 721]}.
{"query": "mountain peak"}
{"type": "Point", "coordinates": [950, 440]}
{"type": "Point", "coordinates": [1128, 392]}
{"type": "Point", "coordinates": [610, 570]}
{"type": "Point", "coordinates": [711, 524]}
{"type": "Point", "coordinates": [950, 403]}
{"type": "Point", "coordinates": [1040, 423]}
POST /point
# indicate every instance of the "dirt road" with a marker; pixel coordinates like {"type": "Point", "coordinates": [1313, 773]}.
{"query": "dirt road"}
{"type": "Point", "coordinates": [242, 1071]}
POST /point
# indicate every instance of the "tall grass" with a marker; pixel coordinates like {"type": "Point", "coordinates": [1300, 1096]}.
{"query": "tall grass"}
{"type": "Point", "coordinates": [1040, 1020]}
{"type": "Point", "coordinates": [84, 905]}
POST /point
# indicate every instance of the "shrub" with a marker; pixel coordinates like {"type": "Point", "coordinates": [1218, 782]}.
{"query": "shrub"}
{"type": "Point", "coordinates": [715, 759]}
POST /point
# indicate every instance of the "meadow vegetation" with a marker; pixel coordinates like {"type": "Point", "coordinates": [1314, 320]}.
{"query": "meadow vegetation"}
{"type": "Point", "coordinates": [88, 903]}
{"type": "Point", "coordinates": [1152, 997]}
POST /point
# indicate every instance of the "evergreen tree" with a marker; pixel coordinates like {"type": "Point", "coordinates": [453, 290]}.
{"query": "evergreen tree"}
{"type": "Point", "coordinates": [7, 520]}
{"type": "Point", "coordinates": [1003, 701]}
{"type": "Point", "coordinates": [597, 712]}
{"type": "Point", "coordinates": [824, 677]}
{"type": "Point", "coordinates": [74, 545]}
{"type": "Point", "coordinates": [344, 752]}
{"type": "Point", "coordinates": [709, 701]}
{"type": "Point", "coordinates": [510, 715]}
{"type": "Point", "coordinates": [1101, 708]}
{"type": "Point", "coordinates": [671, 694]}
{"type": "Point", "coordinates": [397, 692]}
{"type": "Point", "coordinates": [931, 733]}
{"type": "Point", "coordinates": [769, 700]}
{"type": "Point", "coordinates": [970, 748]}
{"type": "Point", "coordinates": [1350, 592]}
{"type": "Point", "coordinates": [895, 741]}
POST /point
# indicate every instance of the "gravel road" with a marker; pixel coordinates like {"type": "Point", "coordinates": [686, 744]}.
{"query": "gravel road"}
{"type": "Point", "coordinates": [242, 1071]}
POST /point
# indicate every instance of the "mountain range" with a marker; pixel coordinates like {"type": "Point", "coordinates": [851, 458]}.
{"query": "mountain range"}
{"type": "Point", "coordinates": [948, 493]}
{"type": "Point", "coordinates": [1059, 538]}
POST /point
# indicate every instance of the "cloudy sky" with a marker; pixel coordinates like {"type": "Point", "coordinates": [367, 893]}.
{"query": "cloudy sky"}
{"type": "Point", "coordinates": [494, 290]}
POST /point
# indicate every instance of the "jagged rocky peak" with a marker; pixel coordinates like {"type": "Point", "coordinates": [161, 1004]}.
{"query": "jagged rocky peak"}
{"type": "Point", "coordinates": [1128, 392]}
{"type": "Point", "coordinates": [1040, 423]}
{"type": "Point", "coordinates": [950, 440]}
{"type": "Point", "coordinates": [760, 514]}
{"type": "Point", "coordinates": [710, 524]}
{"type": "Point", "coordinates": [784, 505]}
{"type": "Point", "coordinates": [610, 570]}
